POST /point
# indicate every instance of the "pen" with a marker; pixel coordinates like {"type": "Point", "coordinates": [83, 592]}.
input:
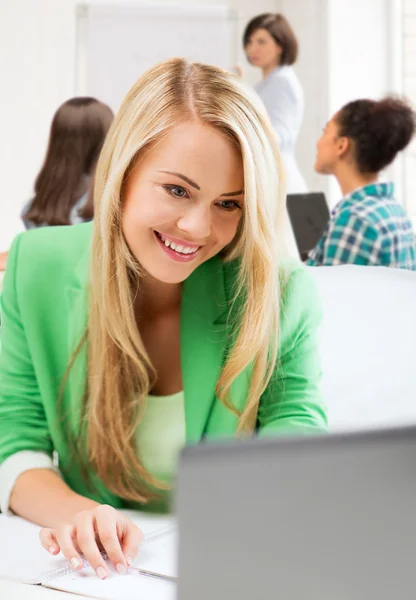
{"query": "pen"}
{"type": "Point", "coordinates": [68, 569]}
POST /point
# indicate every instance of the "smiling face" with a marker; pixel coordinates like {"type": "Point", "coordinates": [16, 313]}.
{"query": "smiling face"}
{"type": "Point", "coordinates": [262, 50]}
{"type": "Point", "coordinates": [183, 201]}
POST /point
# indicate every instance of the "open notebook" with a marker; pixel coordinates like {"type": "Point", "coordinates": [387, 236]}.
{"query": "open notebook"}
{"type": "Point", "coordinates": [23, 559]}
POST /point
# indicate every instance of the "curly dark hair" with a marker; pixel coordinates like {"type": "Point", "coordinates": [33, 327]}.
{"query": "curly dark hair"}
{"type": "Point", "coordinates": [378, 129]}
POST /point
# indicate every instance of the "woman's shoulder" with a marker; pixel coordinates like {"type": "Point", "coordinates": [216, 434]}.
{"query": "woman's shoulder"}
{"type": "Point", "coordinates": [300, 302]}
{"type": "Point", "coordinates": [297, 286]}
{"type": "Point", "coordinates": [52, 249]}
{"type": "Point", "coordinates": [295, 280]}
{"type": "Point", "coordinates": [282, 80]}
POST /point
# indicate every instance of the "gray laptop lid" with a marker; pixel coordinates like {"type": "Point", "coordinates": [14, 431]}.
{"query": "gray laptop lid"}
{"type": "Point", "coordinates": [309, 215]}
{"type": "Point", "coordinates": [329, 518]}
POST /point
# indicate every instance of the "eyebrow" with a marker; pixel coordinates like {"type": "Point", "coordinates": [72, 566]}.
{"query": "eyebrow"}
{"type": "Point", "coordinates": [195, 185]}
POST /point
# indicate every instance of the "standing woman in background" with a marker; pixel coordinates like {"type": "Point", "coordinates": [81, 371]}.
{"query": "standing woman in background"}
{"type": "Point", "coordinates": [64, 185]}
{"type": "Point", "coordinates": [271, 45]}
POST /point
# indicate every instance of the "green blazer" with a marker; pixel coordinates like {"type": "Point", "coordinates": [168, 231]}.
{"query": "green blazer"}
{"type": "Point", "coordinates": [44, 311]}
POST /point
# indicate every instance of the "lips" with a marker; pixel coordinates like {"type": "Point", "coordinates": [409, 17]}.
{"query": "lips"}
{"type": "Point", "coordinates": [178, 251]}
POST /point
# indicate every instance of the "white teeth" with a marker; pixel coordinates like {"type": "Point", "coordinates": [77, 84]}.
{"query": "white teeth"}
{"type": "Point", "coordinates": [178, 247]}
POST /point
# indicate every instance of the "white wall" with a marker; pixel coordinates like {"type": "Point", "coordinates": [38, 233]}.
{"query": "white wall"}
{"type": "Point", "coordinates": [409, 85]}
{"type": "Point", "coordinates": [37, 66]}
{"type": "Point", "coordinates": [36, 76]}
{"type": "Point", "coordinates": [345, 52]}
{"type": "Point", "coordinates": [362, 57]}
{"type": "Point", "coordinates": [309, 19]}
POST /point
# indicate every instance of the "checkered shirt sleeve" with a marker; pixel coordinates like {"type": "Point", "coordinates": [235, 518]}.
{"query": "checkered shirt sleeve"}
{"type": "Point", "coordinates": [347, 239]}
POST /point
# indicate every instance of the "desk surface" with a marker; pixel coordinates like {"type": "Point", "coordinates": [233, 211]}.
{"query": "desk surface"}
{"type": "Point", "coordinates": [23, 559]}
{"type": "Point", "coordinates": [11, 590]}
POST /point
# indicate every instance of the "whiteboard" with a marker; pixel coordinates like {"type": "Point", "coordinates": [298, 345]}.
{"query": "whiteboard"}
{"type": "Point", "coordinates": [116, 43]}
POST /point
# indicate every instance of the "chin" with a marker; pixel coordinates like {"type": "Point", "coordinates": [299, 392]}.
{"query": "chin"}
{"type": "Point", "coordinates": [171, 276]}
{"type": "Point", "coordinates": [321, 169]}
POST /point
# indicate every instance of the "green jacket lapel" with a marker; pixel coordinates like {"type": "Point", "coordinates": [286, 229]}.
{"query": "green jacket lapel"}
{"type": "Point", "coordinates": [77, 297]}
{"type": "Point", "coordinates": [204, 334]}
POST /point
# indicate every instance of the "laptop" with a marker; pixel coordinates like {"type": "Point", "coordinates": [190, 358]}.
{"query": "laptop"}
{"type": "Point", "coordinates": [309, 215]}
{"type": "Point", "coordinates": [328, 518]}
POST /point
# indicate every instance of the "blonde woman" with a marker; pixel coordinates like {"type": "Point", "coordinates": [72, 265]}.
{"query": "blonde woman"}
{"type": "Point", "coordinates": [173, 318]}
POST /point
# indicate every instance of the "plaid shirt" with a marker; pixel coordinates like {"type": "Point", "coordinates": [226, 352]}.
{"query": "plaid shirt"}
{"type": "Point", "coordinates": [368, 227]}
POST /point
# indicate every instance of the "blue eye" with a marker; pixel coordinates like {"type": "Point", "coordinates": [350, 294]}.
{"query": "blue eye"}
{"type": "Point", "coordinates": [177, 191]}
{"type": "Point", "coordinates": [229, 205]}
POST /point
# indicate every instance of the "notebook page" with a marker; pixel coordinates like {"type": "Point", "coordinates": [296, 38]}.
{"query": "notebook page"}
{"type": "Point", "coordinates": [116, 587]}
{"type": "Point", "coordinates": [150, 523]}
{"type": "Point", "coordinates": [160, 555]}
{"type": "Point", "coordinates": [22, 558]}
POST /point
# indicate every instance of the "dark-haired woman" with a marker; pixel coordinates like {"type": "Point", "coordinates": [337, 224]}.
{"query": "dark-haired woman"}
{"type": "Point", "coordinates": [271, 45]}
{"type": "Point", "coordinates": [64, 186]}
{"type": "Point", "coordinates": [368, 226]}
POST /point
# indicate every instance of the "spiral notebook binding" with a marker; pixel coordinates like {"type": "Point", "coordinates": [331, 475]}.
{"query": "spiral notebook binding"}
{"type": "Point", "coordinates": [58, 573]}
{"type": "Point", "coordinates": [68, 569]}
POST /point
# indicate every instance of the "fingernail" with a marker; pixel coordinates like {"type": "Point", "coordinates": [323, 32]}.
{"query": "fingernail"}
{"type": "Point", "coordinates": [121, 568]}
{"type": "Point", "coordinates": [129, 561]}
{"type": "Point", "coordinates": [101, 572]}
{"type": "Point", "coordinates": [75, 563]}
{"type": "Point", "coordinates": [52, 550]}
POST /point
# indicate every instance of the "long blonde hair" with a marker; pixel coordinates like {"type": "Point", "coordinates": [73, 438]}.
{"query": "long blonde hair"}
{"type": "Point", "coordinates": [120, 373]}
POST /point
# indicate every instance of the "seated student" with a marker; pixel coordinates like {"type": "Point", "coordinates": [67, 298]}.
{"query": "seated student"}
{"type": "Point", "coordinates": [64, 186]}
{"type": "Point", "coordinates": [368, 226]}
{"type": "Point", "coordinates": [173, 318]}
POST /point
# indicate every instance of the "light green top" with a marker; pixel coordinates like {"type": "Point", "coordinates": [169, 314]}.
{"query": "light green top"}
{"type": "Point", "coordinates": [161, 435]}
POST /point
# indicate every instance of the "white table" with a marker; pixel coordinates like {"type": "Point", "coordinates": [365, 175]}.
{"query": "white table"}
{"type": "Point", "coordinates": [23, 559]}
{"type": "Point", "coordinates": [11, 590]}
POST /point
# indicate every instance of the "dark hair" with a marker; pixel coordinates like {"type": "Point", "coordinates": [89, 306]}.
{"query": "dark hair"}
{"type": "Point", "coordinates": [278, 27]}
{"type": "Point", "coordinates": [378, 129]}
{"type": "Point", "coordinates": [77, 134]}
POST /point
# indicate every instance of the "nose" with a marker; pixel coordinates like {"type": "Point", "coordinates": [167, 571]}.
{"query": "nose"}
{"type": "Point", "coordinates": [196, 222]}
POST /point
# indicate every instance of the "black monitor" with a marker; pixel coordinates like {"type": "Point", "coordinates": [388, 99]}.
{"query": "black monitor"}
{"type": "Point", "coordinates": [309, 215]}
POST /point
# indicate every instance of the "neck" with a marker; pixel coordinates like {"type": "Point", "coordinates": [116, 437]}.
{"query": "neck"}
{"type": "Point", "coordinates": [350, 180]}
{"type": "Point", "coordinates": [267, 70]}
{"type": "Point", "coordinates": [157, 298]}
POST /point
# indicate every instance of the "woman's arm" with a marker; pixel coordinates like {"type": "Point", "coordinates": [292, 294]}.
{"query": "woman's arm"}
{"type": "Point", "coordinates": [41, 496]}
{"type": "Point", "coordinates": [350, 240]}
{"type": "Point", "coordinates": [76, 525]}
{"type": "Point", "coordinates": [292, 402]}
{"type": "Point", "coordinates": [23, 423]}
{"type": "Point", "coordinates": [3, 260]}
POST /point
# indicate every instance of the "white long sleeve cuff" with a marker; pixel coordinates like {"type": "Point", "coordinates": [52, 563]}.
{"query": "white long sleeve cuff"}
{"type": "Point", "coordinates": [15, 465]}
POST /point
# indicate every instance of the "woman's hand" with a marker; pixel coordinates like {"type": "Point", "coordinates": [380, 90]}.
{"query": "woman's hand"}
{"type": "Point", "coordinates": [102, 529]}
{"type": "Point", "coordinates": [237, 70]}
{"type": "Point", "coordinates": [3, 260]}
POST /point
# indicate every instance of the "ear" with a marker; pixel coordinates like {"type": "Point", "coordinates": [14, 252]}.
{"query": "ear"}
{"type": "Point", "coordinates": [343, 146]}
